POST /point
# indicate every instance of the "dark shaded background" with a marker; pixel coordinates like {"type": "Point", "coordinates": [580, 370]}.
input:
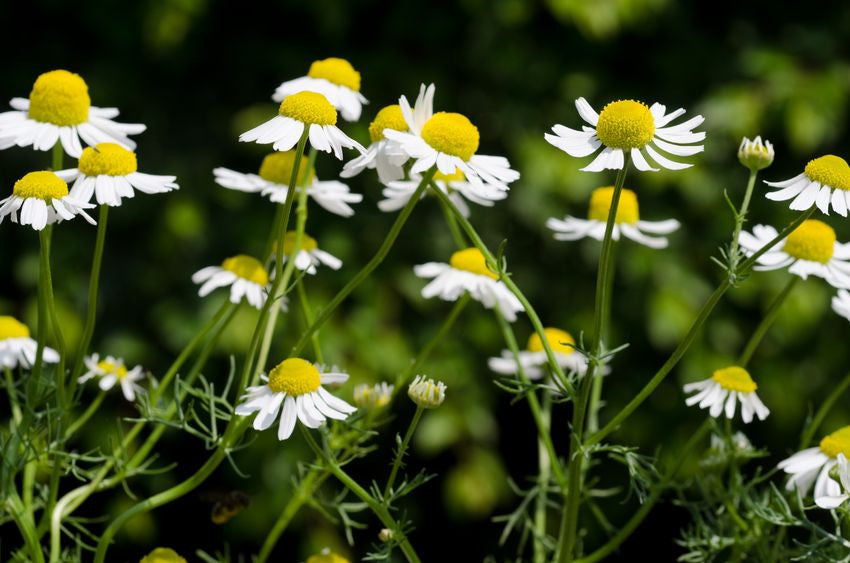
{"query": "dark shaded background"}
{"type": "Point", "coordinates": [199, 72]}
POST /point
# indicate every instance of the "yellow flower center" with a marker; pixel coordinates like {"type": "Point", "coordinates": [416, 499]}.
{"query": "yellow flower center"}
{"type": "Point", "coordinates": [600, 206]}
{"type": "Point", "coordinates": [473, 261]}
{"type": "Point", "coordinates": [372, 396]}
{"type": "Point", "coordinates": [162, 555]}
{"type": "Point", "coordinates": [329, 557]}
{"type": "Point", "coordinates": [336, 71]}
{"type": "Point", "coordinates": [60, 97]}
{"type": "Point", "coordinates": [44, 185]}
{"type": "Point", "coordinates": [735, 378]}
{"type": "Point", "coordinates": [451, 133]}
{"type": "Point", "coordinates": [294, 377]}
{"type": "Point", "coordinates": [625, 124]}
{"type": "Point", "coordinates": [277, 167]}
{"type": "Point", "coordinates": [308, 107]}
{"type": "Point", "coordinates": [389, 117]}
{"type": "Point", "coordinates": [813, 240]}
{"type": "Point", "coordinates": [115, 368]}
{"type": "Point", "coordinates": [107, 159]}
{"type": "Point", "coordinates": [10, 327]}
{"type": "Point", "coordinates": [829, 170]}
{"type": "Point", "coordinates": [837, 443]}
{"type": "Point", "coordinates": [247, 268]}
{"type": "Point", "coordinates": [308, 243]}
{"type": "Point", "coordinates": [456, 176]}
{"type": "Point", "coordinates": [561, 341]}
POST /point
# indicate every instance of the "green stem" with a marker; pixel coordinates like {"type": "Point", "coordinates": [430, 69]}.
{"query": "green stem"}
{"type": "Point", "coordinates": [308, 318]}
{"type": "Point", "coordinates": [740, 218]}
{"type": "Point", "coordinates": [402, 448]}
{"type": "Point", "coordinates": [769, 316]}
{"type": "Point", "coordinates": [83, 418]}
{"type": "Point", "coordinates": [596, 390]}
{"type": "Point", "coordinates": [544, 462]}
{"type": "Point", "coordinates": [13, 397]}
{"type": "Point", "coordinates": [822, 411]}
{"type": "Point", "coordinates": [457, 235]}
{"type": "Point", "coordinates": [50, 305]}
{"type": "Point", "coordinates": [23, 519]}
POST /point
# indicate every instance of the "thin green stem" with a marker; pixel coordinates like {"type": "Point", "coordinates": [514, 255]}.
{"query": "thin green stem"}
{"type": "Point", "coordinates": [822, 411]}
{"type": "Point", "coordinates": [544, 463]}
{"type": "Point", "coordinates": [402, 448]}
{"type": "Point", "coordinates": [50, 305]}
{"type": "Point", "coordinates": [457, 234]}
{"type": "Point", "coordinates": [83, 418]}
{"type": "Point", "coordinates": [13, 396]}
{"type": "Point", "coordinates": [23, 519]}
{"type": "Point", "coordinates": [766, 322]}
{"type": "Point", "coordinates": [308, 318]}
{"type": "Point", "coordinates": [740, 219]}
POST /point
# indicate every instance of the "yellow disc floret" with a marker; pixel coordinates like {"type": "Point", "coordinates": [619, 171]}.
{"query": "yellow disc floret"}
{"type": "Point", "coordinates": [247, 268]}
{"type": "Point", "coordinates": [600, 206]}
{"type": "Point", "coordinates": [277, 168]}
{"type": "Point", "coordinates": [337, 71]}
{"type": "Point", "coordinates": [625, 124]}
{"type": "Point", "coordinates": [44, 185]}
{"type": "Point", "coordinates": [327, 557]}
{"type": "Point", "coordinates": [10, 327]}
{"type": "Point", "coordinates": [389, 117]}
{"type": "Point", "coordinates": [294, 377]}
{"type": "Point", "coordinates": [115, 368]}
{"type": "Point", "coordinates": [308, 243]}
{"type": "Point", "coordinates": [60, 97]}
{"type": "Point", "coordinates": [451, 133]}
{"type": "Point", "coordinates": [108, 159]}
{"type": "Point", "coordinates": [735, 378]}
{"type": "Point", "coordinates": [560, 341]}
{"type": "Point", "coordinates": [829, 170]}
{"type": "Point", "coordinates": [813, 240]}
{"type": "Point", "coordinates": [837, 443]}
{"type": "Point", "coordinates": [162, 555]}
{"type": "Point", "coordinates": [308, 107]}
{"type": "Point", "coordinates": [456, 176]}
{"type": "Point", "coordinates": [472, 260]}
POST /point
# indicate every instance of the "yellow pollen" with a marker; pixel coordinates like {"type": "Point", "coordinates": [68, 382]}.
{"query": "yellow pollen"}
{"type": "Point", "coordinates": [107, 159]}
{"type": "Point", "coordinates": [456, 176]}
{"type": "Point", "coordinates": [162, 555]}
{"type": "Point", "coordinates": [294, 377]}
{"type": "Point", "coordinates": [600, 206]}
{"type": "Point", "coordinates": [559, 340]}
{"type": "Point", "coordinates": [813, 240]}
{"type": "Point", "coordinates": [837, 443]}
{"type": "Point", "coordinates": [44, 185]}
{"type": "Point", "coordinates": [389, 117]}
{"type": "Point", "coordinates": [451, 133]}
{"type": "Point", "coordinates": [117, 369]}
{"type": "Point", "coordinates": [472, 260]}
{"type": "Point", "coordinates": [829, 170]}
{"type": "Point", "coordinates": [247, 268]}
{"type": "Point", "coordinates": [308, 243]}
{"type": "Point", "coordinates": [625, 124]}
{"type": "Point", "coordinates": [60, 97]}
{"type": "Point", "coordinates": [277, 168]}
{"type": "Point", "coordinates": [735, 378]}
{"type": "Point", "coordinates": [336, 71]}
{"type": "Point", "coordinates": [308, 107]}
{"type": "Point", "coordinates": [10, 327]}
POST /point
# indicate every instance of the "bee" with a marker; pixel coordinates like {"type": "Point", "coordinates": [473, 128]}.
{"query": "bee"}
{"type": "Point", "coordinates": [226, 505]}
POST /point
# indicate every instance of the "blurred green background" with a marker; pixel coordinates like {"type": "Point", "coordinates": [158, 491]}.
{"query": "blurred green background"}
{"type": "Point", "coordinates": [199, 72]}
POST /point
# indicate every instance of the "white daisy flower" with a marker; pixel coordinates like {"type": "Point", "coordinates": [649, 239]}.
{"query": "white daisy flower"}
{"type": "Point", "coordinates": [810, 249]}
{"type": "Point", "coordinates": [813, 465]}
{"type": "Point", "coordinates": [111, 371]}
{"type": "Point", "coordinates": [245, 275]}
{"type": "Point", "coordinates": [629, 126]}
{"type": "Point", "coordinates": [297, 112]}
{"type": "Point", "coordinates": [627, 221]}
{"type": "Point", "coordinates": [397, 194]}
{"type": "Point", "coordinates": [297, 385]}
{"type": "Point", "coordinates": [426, 392]}
{"type": "Point", "coordinates": [336, 80]}
{"type": "Point", "coordinates": [43, 199]}
{"type": "Point", "coordinates": [467, 272]}
{"type": "Point", "coordinates": [450, 141]}
{"type": "Point", "coordinates": [723, 390]}
{"type": "Point", "coordinates": [841, 303]}
{"type": "Point", "coordinates": [59, 109]}
{"type": "Point", "coordinates": [17, 348]}
{"type": "Point", "coordinates": [534, 359]}
{"type": "Point", "coordinates": [824, 182]}
{"type": "Point", "coordinates": [373, 396]}
{"type": "Point", "coordinates": [383, 154]}
{"type": "Point", "coordinates": [309, 256]}
{"type": "Point", "coordinates": [273, 181]}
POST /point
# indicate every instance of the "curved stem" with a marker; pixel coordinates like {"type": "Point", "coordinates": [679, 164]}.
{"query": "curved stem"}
{"type": "Point", "coordinates": [414, 422]}
{"type": "Point", "coordinates": [83, 418]}
{"type": "Point", "coordinates": [769, 316]}
{"type": "Point", "coordinates": [457, 235]}
{"type": "Point", "coordinates": [824, 409]}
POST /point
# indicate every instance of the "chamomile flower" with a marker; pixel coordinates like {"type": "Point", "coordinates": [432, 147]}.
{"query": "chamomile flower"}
{"type": "Point", "coordinates": [813, 465]}
{"type": "Point", "coordinates": [245, 275]}
{"type": "Point", "coordinates": [59, 109]}
{"type": "Point", "coordinates": [459, 190]}
{"type": "Point", "coordinates": [382, 154]}
{"type": "Point", "coordinates": [336, 80]}
{"type": "Point", "coordinates": [824, 182]}
{"type": "Point", "coordinates": [841, 303]}
{"type": "Point", "coordinates": [810, 249]}
{"type": "Point", "coordinates": [273, 181]}
{"type": "Point", "coordinates": [43, 199]}
{"type": "Point", "coordinates": [723, 390]}
{"type": "Point", "coordinates": [17, 348]}
{"type": "Point", "coordinates": [295, 384]}
{"type": "Point", "coordinates": [533, 359]}
{"type": "Point", "coordinates": [627, 126]}
{"type": "Point", "coordinates": [298, 111]}
{"type": "Point", "coordinates": [112, 371]}
{"type": "Point", "coordinates": [426, 392]}
{"type": "Point", "coordinates": [627, 221]}
{"type": "Point", "coordinates": [755, 154]}
{"type": "Point", "coordinates": [310, 255]}
{"type": "Point", "coordinates": [467, 272]}
{"type": "Point", "coordinates": [373, 396]}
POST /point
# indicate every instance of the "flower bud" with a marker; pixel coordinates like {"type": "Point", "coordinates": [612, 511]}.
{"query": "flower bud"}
{"type": "Point", "coordinates": [755, 154]}
{"type": "Point", "coordinates": [373, 396]}
{"type": "Point", "coordinates": [385, 535]}
{"type": "Point", "coordinates": [426, 392]}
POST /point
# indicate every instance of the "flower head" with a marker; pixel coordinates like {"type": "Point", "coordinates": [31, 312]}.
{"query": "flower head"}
{"type": "Point", "coordinates": [382, 154]}
{"type": "Point", "coordinates": [42, 199]}
{"type": "Point", "coordinates": [824, 182]}
{"type": "Point", "coordinates": [455, 186]}
{"type": "Point", "coordinates": [534, 360]}
{"type": "Point", "coordinates": [246, 276]}
{"type": "Point", "coordinates": [723, 390]}
{"type": "Point", "coordinates": [162, 555]}
{"type": "Point", "coordinates": [110, 371]}
{"type": "Point", "coordinates": [309, 256]}
{"type": "Point", "coordinates": [373, 396]}
{"type": "Point", "coordinates": [17, 348]}
{"type": "Point", "coordinates": [334, 78]}
{"type": "Point", "coordinates": [426, 392]}
{"type": "Point", "coordinates": [813, 465]}
{"type": "Point", "coordinates": [755, 154]}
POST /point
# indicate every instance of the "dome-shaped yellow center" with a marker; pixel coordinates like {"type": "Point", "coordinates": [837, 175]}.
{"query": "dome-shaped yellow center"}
{"type": "Point", "coordinates": [600, 206]}
{"type": "Point", "coordinates": [337, 71]}
{"type": "Point", "coordinates": [308, 107]}
{"type": "Point", "coordinates": [560, 341]}
{"type": "Point", "coordinates": [813, 240]}
{"type": "Point", "coordinates": [60, 97]}
{"type": "Point", "coordinates": [162, 555]}
{"type": "Point", "coordinates": [829, 170]}
{"type": "Point", "coordinates": [329, 557]}
{"type": "Point", "coordinates": [473, 261]}
{"type": "Point", "coordinates": [456, 176]}
{"type": "Point", "coordinates": [116, 368]}
{"type": "Point", "coordinates": [44, 185]}
{"type": "Point", "coordinates": [247, 268]}
{"type": "Point", "coordinates": [389, 117]}
{"type": "Point", "coordinates": [107, 159]}
{"type": "Point", "coordinates": [10, 327]}
{"type": "Point", "coordinates": [308, 243]}
{"type": "Point", "coordinates": [294, 377]}
{"type": "Point", "coordinates": [277, 167]}
{"type": "Point", "coordinates": [837, 443]}
{"type": "Point", "coordinates": [625, 124]}
{"type": "Point", "coordinates": [735, 378]}
{"type": "Point", "coordinates": [451, 133]}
